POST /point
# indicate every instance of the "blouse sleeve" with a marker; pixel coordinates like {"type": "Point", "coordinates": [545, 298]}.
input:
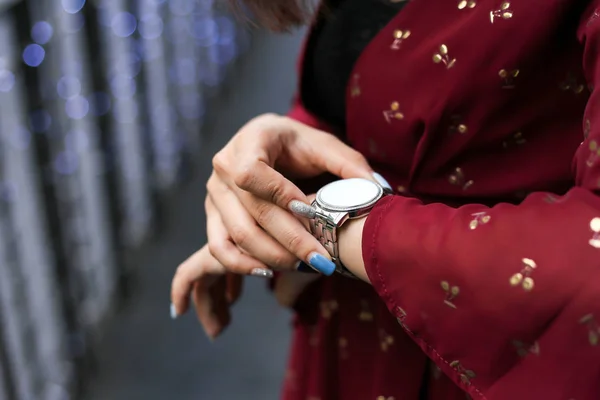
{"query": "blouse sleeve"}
{"type": "Point", "coordinates": [505, 300]}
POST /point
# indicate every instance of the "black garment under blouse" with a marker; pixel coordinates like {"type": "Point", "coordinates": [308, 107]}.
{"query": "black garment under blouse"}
{"type": "Point", "coordinates": [339, 37]}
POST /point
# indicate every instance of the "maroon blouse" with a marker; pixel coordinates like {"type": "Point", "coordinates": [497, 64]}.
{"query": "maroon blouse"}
{"type": "Point", "coordinates": [486, 264]}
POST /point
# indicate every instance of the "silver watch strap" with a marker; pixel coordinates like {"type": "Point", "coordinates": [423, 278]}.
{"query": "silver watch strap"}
{"type": "Point", "coordinates": [326, 233]}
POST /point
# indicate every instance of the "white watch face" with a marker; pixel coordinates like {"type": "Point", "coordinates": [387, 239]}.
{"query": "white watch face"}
{"type": "Point", "coordinates": [349, 194]}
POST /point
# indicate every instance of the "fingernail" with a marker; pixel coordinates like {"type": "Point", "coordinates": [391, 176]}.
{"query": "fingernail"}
{"type": "Point", "coordinates": [321, 264]}
{"type": "Point", "coordinates": [305, 268]}
{"type": "Point", "coordinates": [173, 312]}
{"type": "Point", "coordinates": [302, 209]}
{"type": "Point", "coordinates": [381, 180]}
{"type": "Point", "coordinates": [262, 273]}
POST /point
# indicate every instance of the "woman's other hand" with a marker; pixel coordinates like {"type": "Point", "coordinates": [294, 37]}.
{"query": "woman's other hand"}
{"type": "Point", "coordinates": [247, 168]}
{"type": "Point", "coordinates": [210, 287]}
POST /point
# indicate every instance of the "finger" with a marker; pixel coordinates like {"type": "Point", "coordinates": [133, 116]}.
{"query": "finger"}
{"type": "Point", "coordinates": [244, 231]}
{"type": "Point", "coordinates": [290, 232]}
{"type": "Point", "coordinates": [265, 182]}
{"type": "Point", "coordinates": [198, 265]}
{"type": "Point", "coordinates": [226, 252]}
{"type": "Point", "coordinates": [235, 284]}
{"type": "Point", "coordinates": [212, 309]}
{"type": "Point", "coordinates": [328, 153]}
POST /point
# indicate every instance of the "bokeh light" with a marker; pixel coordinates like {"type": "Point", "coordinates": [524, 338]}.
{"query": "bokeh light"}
{"type": "Point", "coordinates": [34, 55]}
{"type": "Point", "coordinates": [68, 87]}
{"type": "Point", "coordinates": [7, 80]}
{"type": "Point", "coordinates": [42, 32]}
{"type": "Point", "coordinates": [123, 24]}
{"type": "Point", "coordinates": [72, 6]}
{"type": "Point", "coordinates": [77, 107]}
{"type": "Point", "coordinates": [151, 26]}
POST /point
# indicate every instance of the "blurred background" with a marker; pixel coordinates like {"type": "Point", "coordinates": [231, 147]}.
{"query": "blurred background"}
{"type": "Point", "coordinates": [110, 112]}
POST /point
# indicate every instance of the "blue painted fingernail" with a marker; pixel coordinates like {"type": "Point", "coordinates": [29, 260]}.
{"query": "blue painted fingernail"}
{"type": "Point", "coordinates": [305, 268]}
{"type": "Point", "coordinates": [321, 264]}
{"type": "Point", "coordinates": [173, 311]}
{"type": "Point", "coordinates": [381, 180]}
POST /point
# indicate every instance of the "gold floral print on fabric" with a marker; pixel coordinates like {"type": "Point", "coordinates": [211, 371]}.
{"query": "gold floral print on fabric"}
{"type": "Point", "coordinates": [466, 4]}
{"type": "Point", "coordinates": [456, 126]}
{"type": "Point", "coordinates": [465, 374]}
{"type": "Point", "coordinates": [515, 140]}
{"type": "Point", "coordinates": [365, 314]}
{"type": "Point", "coordinates": [393, 113]}
{"type": "Point", "coordinates": [386, 398]}
{"type": "Point", "coordinates": [595, 227]}
{"type": "Point", "coordinates": [457, 178]}
{"type": "Point", "coordinates": [480, 218]}
{"type": "Point", "coordinates": [508, 78]}
{"type": "Point", "coordinates": [355, 90]}
{"type": "Point", "coordinates": [385, 340]}
{"type": "Point", "coordinates": [328, 308]}
{"type": "Point", "coordinates": [442, 57]}
{"type": "Point", "coordinates": [594, 153]}
{"type": "Point", "coordinates": [593, 327]}
{"type": "Point", "coordinates": [502, 12]}
{"type": "Point", "coordinates": [399, 37]}
{"type": "Point", "coordinates": [524, 349]}
{"type": "Point", "coordinates": [571, 84]}
{"type": "Point", "coordinates": [523, 278]}
{"type": "Point", "coordinates": [452, 293]}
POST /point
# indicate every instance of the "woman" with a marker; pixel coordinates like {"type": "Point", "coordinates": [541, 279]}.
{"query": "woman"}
{"type": "Point", "coordinates": [480, 276]}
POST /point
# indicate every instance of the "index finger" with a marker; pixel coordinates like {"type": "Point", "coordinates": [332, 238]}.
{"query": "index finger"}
{"type": "Point", "coordinates": [267, 183]}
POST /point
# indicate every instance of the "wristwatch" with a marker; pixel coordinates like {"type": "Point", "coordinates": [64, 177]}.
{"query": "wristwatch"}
{"type": "Point", "coordinates": [338, 202]}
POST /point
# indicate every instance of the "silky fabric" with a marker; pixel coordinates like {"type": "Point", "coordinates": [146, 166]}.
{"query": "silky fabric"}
{"type": "Point", "coordinates": [485, 264]}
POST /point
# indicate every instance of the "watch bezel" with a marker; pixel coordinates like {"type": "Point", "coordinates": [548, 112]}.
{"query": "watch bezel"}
{"type": "Point", "coordinates": [349, 209]}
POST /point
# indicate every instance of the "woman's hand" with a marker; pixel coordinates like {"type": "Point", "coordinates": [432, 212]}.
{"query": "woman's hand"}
{"type": "Point", "coordinates": [246, 173]}
{"type": "Point", "coordinates": [211, 288]}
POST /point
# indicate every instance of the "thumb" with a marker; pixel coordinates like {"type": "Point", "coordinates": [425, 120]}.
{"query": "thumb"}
{"type": "Point", "coordinates": [339, 159]}
{"type": "Point", "coordinates": [336, 157]}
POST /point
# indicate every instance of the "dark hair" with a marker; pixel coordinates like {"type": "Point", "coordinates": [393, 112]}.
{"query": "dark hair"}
{"type": "Point", "coordinates": [277, 15]}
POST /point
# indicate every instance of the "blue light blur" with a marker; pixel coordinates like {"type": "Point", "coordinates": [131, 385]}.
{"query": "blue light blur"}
{"type": "Point", "coordinates": [7, 80]}
{"type": "Point", "coordinates": [42, 32]}
{"type": "Point", "coordinates": [34, 55]}
{"type": "Point", "coordinates": [72, 6]}
{"type": "Point", "coordinates": [68, 87]}
{"type": "Point", "coordinates": [123, 24]}
{"type": "Point", "coordinates": [151, 26]}
{"type": "Point", "coordinates": [77, 107]}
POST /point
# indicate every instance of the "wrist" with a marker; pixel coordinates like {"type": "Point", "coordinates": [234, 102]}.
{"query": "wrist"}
{"type": "Point", "coordinates": [349, 237]}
